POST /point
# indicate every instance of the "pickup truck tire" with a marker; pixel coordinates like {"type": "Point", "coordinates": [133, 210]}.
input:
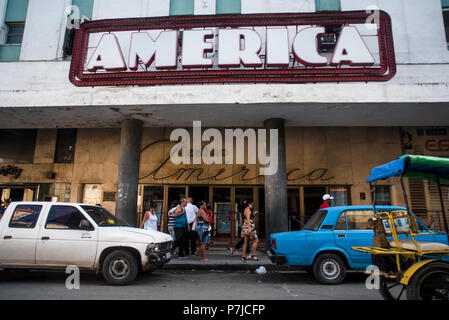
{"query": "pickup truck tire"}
{"type": "Point", "coordinates": [329, 268]}
{"type": "Point", "coordinates": [120, 268]}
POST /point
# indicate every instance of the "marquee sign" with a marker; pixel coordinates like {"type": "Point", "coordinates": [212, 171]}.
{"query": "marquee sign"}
{"type": "Point", "coordinates": [268, 48]}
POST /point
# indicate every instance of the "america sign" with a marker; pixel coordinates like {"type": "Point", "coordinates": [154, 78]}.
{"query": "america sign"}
{"type": "Point", "coordinates": [255, 48]}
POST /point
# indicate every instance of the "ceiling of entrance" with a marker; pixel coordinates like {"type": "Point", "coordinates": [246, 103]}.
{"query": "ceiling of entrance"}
{"type": "Point", "coordinates": [228, 115]}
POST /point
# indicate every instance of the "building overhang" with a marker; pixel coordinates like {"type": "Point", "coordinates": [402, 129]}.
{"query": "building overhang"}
{"type": "Point", "coordinates": [229, 115]}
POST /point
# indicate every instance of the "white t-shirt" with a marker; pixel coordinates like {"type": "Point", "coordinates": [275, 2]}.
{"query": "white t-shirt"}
{"type": "Point", "coordinates": [151, 222]}
{"type": "Point", "coordinates": [191, 211]}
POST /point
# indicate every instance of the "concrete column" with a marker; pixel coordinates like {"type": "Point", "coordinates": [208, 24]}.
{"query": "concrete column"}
{"type": "Point", "coordinates": [128, 171]}
{"type": "Point", "coordinates": [276, 210]}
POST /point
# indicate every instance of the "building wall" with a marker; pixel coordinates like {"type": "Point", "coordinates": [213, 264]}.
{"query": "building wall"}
{"type": "Point", "coordinates": [325, 156]}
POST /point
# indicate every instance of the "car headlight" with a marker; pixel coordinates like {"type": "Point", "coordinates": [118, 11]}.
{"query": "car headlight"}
{"type": "Point", "coordinates": [154, 247]}
{"type": "Point", "coordinates": [151, 248]}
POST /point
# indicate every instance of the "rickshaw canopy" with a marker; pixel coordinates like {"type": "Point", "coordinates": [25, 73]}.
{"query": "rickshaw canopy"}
{"type": "Point", "coordinates": [413, 166]}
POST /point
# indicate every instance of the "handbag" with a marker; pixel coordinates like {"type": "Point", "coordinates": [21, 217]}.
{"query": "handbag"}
{"type": "Point", "coordinates": [245, 232]}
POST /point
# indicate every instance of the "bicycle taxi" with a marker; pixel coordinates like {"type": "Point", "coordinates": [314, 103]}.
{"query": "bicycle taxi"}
{"type": "Point", "coordinates": [421, 269]}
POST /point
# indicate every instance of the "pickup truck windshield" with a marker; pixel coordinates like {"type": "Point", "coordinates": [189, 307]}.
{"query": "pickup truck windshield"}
{"type": "Point", "coordinates": [315, 221]}
{"type": "Point", "coordinates": [103, 217]}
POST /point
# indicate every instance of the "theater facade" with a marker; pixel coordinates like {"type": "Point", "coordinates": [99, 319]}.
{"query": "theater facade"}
{"type": "Point", "coordinates": [346, 86]}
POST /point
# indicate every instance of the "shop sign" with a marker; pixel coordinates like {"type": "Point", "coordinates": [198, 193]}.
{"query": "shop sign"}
{"type": "Point", "coordinates": [202, 174]}
{"type": "Point", "coordinates": [283, 48]}
{"type": "Point", "coordinates": [433, 141]}
{"type": "Point", "coordinates": [11, 171]}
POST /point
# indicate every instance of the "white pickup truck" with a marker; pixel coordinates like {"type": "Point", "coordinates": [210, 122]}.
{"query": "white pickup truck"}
{"type": "Point", "coordinates": [52, 235]}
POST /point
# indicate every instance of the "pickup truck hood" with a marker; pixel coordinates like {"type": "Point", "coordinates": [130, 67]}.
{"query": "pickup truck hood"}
{"type": "Point", "coordinates": [129, 234]}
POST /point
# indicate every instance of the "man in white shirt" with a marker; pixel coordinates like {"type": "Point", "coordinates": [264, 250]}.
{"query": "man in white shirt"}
{"type": "Point", "coordinates": [191, 212]}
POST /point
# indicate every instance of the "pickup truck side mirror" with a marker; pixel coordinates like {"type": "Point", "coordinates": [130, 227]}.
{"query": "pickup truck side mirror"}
{"type": "Point", "coordinates": [85, 225]}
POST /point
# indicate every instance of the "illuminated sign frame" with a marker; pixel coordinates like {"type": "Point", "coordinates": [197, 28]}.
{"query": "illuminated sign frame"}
{"type": "Point", "coordinates": [384, 72]}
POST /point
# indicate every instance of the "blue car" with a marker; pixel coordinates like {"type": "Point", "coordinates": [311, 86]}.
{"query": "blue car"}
{"type": "Point", "coordinates": [323, 246]}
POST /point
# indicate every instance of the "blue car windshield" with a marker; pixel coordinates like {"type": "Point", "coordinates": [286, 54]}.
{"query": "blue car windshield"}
{"type": "Point", "coordinates": [315, 221]}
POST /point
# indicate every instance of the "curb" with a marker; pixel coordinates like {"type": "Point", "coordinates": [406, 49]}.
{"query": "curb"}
{"type": "Point", "coordinates": [228, 267]}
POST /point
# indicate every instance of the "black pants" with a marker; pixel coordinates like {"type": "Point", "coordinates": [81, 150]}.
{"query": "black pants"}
{"type": "Point", "coordinates": [181, 241]}
{"type": "Point", "coordinates": [192, 238]}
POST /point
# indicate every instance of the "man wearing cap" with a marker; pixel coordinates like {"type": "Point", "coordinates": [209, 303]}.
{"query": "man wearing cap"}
{"type": "Point", "coordinates": [327, 199]}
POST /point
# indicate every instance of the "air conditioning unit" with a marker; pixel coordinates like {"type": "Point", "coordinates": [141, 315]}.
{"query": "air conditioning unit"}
{"type": "Point", "coordinates": [328, 41]}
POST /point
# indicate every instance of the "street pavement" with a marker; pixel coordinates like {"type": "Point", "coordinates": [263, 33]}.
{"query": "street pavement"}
{"type": "Point", "coordinates": [185, 285]}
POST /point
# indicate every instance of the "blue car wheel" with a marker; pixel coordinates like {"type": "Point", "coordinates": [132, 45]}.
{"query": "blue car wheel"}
{"type": "Point", "coordinates": [329, 268]}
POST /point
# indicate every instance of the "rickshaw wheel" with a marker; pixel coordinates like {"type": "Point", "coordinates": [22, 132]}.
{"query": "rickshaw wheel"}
{"type": "Point", "coordinates": [388, 289]}
{"type": "Point", "coordinates": [431, 282]}
{"type": "Point", "coordinates": [391, 290]}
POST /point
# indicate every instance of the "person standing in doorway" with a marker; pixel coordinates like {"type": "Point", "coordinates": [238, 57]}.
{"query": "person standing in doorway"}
{"type": "Point", "coordinates": [171, 219]}
{"type": "Point", "coordinates": [191, 212]}
{"type": "Point", "coordinates": [181, 229]}
{"type": "Point", "coordinates": [327, 199]}
{"type": "Point", "coordinates": [202, 230]}
{"type": "Point", "coordinates": [241, 208]}
{"type": "Point", "coordinates": [149, 221]}
{"type": "Point", "coordinates": [249, 232]}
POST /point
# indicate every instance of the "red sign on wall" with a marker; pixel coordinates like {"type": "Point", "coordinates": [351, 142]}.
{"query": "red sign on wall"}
{"type": "Point", "coordinates": [267, 48]}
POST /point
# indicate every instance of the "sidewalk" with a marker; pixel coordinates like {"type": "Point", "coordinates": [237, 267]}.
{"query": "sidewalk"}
{"type": "Point", "coordinates": [220, 259]}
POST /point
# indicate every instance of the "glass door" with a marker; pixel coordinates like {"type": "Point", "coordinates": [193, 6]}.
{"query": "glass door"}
{"type": "Point", "coordinates": [199, 193]}
{"type": "Point", "coordinates": [154, 194]}
{"type": "Point", "coordinates": [221, 197]}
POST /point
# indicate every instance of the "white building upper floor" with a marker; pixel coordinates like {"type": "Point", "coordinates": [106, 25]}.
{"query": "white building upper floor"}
{"type": "Point", "coordinates": [34, 70]}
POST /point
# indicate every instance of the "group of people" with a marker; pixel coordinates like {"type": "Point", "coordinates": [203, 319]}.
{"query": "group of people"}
{"type": "Point", "coordinates": [188, 223]}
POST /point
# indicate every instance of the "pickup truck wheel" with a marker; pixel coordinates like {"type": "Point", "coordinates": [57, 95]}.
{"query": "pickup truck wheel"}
{"type": "Point", "coordinates": [120, 268]}
{"type": "Point", "coordinates": [329, 268]}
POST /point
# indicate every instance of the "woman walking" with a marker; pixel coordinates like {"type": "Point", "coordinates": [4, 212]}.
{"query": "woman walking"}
{"type": "Point", "coordinates": [249, 232]}
{"type": "Point", "coordinates": [203, 223]}
{"type": "Point", "coordinates": [149, 221]}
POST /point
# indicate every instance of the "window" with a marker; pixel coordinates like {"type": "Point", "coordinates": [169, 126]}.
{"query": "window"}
{"type": "Point", "coordinates": [354, 220]}
{"type": "Point", "coordinates": [181, 7]}
{"type": "Point", "coordinates": [382, 195]}
{"type": "Point", "coordinates": [17, 145]}
{"type": "Point", "coordinates": [103, 217]}
{"type": "Point", "coordinates": [445, 4]}
{"type": "Point", "coordinates": [15, 15]}
{"type": "Point", "coordinates": [358, 220]}
{"type": "Point", "coordinates": [25, 216]}
{"type": "Point", "coordinates": [85, 6]}
{"type": "Point", "coordinates": [315, 221]}
{"type": "Point", "coordinates": [65, 145]}
{"type": "Point", "coordinates": [64, 218]}
{"type": "Point", "coordinates": [341, 223]}
{"type": "Point", "coordinates": [15, 33]}
{"type": "Point", "coordinates": [228, 6]}
{"type": "Point", "coordinates": [327, 5]}
{"type": "Point", "coordinates": [340, 194]}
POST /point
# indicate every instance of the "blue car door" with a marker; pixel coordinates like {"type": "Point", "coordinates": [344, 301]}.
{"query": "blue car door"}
{"type": "Point", "coordinates": [352, 230]}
